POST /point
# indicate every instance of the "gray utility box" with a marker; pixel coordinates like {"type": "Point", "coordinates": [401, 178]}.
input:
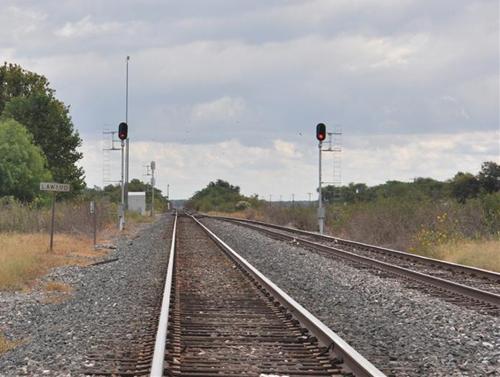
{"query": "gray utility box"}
{"type": "Point", "coordinates": [137, 202]}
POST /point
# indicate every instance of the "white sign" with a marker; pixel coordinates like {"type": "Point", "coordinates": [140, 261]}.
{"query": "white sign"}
{"type": "Point", "coordinates": [53, 186]}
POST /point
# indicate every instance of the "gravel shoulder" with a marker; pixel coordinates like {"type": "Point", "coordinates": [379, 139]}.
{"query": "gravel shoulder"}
{"type": "Point", "coordinates": [56, 337]}
{"type": "Point", "coordinates": [404, 332]}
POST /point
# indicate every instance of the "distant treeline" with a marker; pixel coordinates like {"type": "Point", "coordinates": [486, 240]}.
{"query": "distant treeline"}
{"type": "Point", "coordinates": [461, 187]}
{"type": "Point", "coordinates": [112, 193]}
{"type": "Point", "coordinates": [223, 196]}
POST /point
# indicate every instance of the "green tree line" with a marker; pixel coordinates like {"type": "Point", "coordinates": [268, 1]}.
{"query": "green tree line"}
{"type": "Point", "coordinates": [113, 193]}
{"type": "Point", "coordinates": [220, 196]}
{"type": "Point", "coordinates": [461, 187]}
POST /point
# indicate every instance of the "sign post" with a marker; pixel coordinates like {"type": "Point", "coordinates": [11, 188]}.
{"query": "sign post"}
{"type": "Point", "coordinates": [54, 188]}
{"type": "Point", "coordinates": [93, 212]}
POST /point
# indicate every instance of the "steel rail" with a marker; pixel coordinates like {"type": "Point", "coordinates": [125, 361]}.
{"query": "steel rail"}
{"type": "Point", "coordinates": [157, 363]}
{"type": "Point", "coordinates": [470, 292]}
{"type": "Point", "coordinates": [492, 275]}
{"type": "Point", "coordinates": [353, 361]}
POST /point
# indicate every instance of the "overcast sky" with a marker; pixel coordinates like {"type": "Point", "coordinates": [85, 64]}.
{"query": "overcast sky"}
{"type": "Point", "coordinates": [233, 89]}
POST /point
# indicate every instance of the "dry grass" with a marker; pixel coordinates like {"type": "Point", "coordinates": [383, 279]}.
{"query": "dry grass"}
{"type": "Point", "coordinates": [24, 257]}
{"type": "Point", "coordinates": [135, 217]}
{"type": "Point", "coordinates": [248, 214]}
{"type": "Point", "coordinates": [6, 344]}
{"type": "Point", "coordinates": [57, 292]}
{"type": "Point", "coordinates": [71, 217]}
{"type": "Point", "coordinates": [478, 253]}
{"type": "Point", "coordinates": [58, 286]}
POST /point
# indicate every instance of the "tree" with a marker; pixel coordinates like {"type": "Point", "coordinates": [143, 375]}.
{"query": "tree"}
{"type": "Point", "coordinates": [161, 202]}
{"type": "Point", "coordinates": [27, 98]}
{"type": "Point", "coordinates": [17, 82]}
{"type": "Point", "coordinates": [22, 164]}
{"type": "Point", "coordinates": [489, 177]}
{"type": "Point", "coordinates": [464, 186]}
{"type": "Point", "coordinates": [113, 193]}
{"type": "Point", "coordinates": [219, 195]}
{"type": "Point", "coordinates": [430, 188]}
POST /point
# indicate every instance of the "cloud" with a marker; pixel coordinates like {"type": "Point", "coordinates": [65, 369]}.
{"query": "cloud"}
{"type": "Point", "coordinates": [219, 110]}
{"type": "Point", "coordinates": [18, 23]}
{"type": "Point", "coordinates": [368, 84]}
{"type": "Point", "coordinates": [286, 150]}
{"type": "Point", "coordinates": [379, 158]}
{"type": "Point", "coordinates": [85, 27]}
{"type": "Point", "coordinates": [242, 84]}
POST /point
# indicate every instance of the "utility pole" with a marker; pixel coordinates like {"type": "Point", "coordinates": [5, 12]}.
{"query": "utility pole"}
{"type": "Point", "coordinates": [309, 194]}
{"type": "Point", "coordinates": [127, 159]}
{"type": "Point", "coordinates": [153, 167]}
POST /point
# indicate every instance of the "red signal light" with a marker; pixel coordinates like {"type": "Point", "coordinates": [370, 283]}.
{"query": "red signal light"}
{"type": "Point", "coordinates": [321, 131]}
{"type": "Point", "coordinates": [122, 131]}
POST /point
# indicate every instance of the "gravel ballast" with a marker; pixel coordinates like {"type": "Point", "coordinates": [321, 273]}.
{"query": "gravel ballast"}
{"type": "Point", "coordinates": [110, 305]}
{"type": "Point", "coordinates": [404, 332]}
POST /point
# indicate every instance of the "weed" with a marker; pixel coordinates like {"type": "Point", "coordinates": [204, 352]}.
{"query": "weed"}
{"type": "Point", "coordinates": [478, 253]}
{"type": "Point", "coordinates": [6, 344]}
{"type": "Point", "coordinates": [24, 257]}
{"type": "Point", "coordinates": [71, 217]}
{"type": "Point", "coordinates": [58, 286]}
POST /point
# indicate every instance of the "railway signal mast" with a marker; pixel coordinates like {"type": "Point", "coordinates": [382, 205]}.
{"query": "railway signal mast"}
{"type": "Point", "coordinates": [122, 135]}
{"type": "Point", "coordinates": [320, 135]}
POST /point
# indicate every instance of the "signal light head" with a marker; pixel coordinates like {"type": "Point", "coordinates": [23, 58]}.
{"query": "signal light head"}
{"type": "Point", "coordinates": [122, 131]}
{"type": "Point", "coordinates": [321, 131]}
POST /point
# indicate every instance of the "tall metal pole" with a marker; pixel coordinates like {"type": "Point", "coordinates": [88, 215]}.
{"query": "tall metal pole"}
{"type": "Point", "coordinates": [127, 145]}
{"type": "Point", "coordinates": [321, 211]}
{"type": "Point", "coordinates": [122, 207]}
{"type": "Point", "coordinates": [153, 167]}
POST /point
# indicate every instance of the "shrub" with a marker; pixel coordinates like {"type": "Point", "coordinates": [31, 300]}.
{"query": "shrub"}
{"type": "Point", "coordinates": [242, 205]}
{"type": "Point", "coordinates": [71, 216]}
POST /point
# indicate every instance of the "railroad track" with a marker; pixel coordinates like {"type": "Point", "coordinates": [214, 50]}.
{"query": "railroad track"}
{"type": "Point", "coordinates": [473, 287]}
{"type": "Point", "coordinates": [221, 317]}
